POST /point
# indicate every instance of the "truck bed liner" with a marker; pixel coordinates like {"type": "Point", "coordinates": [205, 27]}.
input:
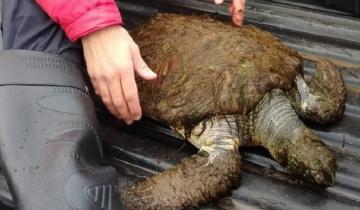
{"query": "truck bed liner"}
{"type": "Point", "coordinates": [148, 147]}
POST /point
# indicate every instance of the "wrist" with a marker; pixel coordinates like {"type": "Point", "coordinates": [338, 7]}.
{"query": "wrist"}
{"type": "Point", "coordinates": [103, 35]}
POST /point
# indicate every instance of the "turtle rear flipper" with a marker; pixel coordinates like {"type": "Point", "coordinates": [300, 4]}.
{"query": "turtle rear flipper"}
{"type": "Point", "coordinates": [322, 100]}
{"type": "Point", "coordinates": [195, 180]}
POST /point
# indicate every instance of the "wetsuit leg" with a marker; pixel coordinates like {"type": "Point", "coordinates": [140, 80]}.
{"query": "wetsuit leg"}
{"type": "Point", "coordinates": [50, 151]}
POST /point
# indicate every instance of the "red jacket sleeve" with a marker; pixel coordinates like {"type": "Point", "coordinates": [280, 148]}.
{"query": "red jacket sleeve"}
{"type": "Point", "coordinates": [81, 17]}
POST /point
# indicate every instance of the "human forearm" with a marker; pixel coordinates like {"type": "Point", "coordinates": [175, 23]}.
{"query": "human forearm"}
{"type": "Point", "coordinates": [81, 17]}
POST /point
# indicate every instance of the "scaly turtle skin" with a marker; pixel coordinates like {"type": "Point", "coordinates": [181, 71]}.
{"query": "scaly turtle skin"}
{"type": "Point", "coordinates": [222, 87]}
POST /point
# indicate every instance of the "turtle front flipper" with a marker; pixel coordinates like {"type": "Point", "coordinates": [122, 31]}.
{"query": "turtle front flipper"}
{"type": "Point", "coordinates": [197, 179]}
{"type": "Point", "coordinates": [290, 142]}
{"type": "Point", "coordinates": [322, 100]}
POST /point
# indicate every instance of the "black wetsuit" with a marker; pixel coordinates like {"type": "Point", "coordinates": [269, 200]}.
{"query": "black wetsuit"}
{"type": "Point", "coordinates": [49, 145]}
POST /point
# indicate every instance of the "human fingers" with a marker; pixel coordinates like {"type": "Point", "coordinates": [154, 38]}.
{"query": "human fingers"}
{"type": "Point", "coordinates": [118, 99]}
{"type": "Point", "coordinates": [105, 95]}
{"type": "Point", "coordinates": [130, 93]}
{"type": "Point", "coordinates": [141, 68]}
{"type": "Point", "coordinates": [238, 11]}
{"type": "Point", "coordinates": [218, 1]}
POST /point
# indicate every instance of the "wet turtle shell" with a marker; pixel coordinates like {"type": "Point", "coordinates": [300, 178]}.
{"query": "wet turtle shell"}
{"type": "Point", "coordinates": [208, 69]}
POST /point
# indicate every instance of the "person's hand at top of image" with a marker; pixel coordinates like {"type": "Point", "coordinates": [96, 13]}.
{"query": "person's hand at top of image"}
{"type": "Point", "coordinates": [237, 10]}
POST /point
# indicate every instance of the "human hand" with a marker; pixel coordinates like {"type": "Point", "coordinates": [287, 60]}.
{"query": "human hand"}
{"type": "Point", "coordinates": [112, 57]}
{"type": "Point", "coordinates": [237, 10]}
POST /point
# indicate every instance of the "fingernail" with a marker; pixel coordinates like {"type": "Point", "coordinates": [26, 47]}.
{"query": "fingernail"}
{"type": "Point", "coordinates": [150, 72]}
{"type": "Point", "coordinates": [128, 122]}
{"type": "Point", "coordinates": [145, 67]}
{"type": "Point", "coordinates": [137, 118]}
{"type": "Point", "coordinates": [153, 74]}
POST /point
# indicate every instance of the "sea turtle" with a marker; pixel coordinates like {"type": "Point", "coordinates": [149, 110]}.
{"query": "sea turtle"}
{"type": "Point", "coordinates": [222, 87]}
